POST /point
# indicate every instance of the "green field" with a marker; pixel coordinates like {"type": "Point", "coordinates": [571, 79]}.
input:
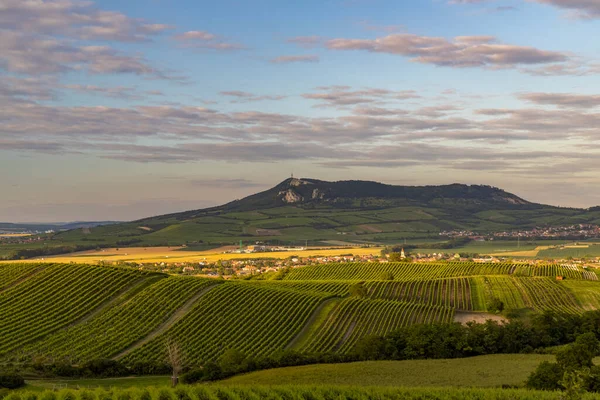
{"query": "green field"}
{"type": "Point", "coordinates": [483, 371]}
{"type": "Point", "coordinates": [76, 313]}
{"type": "Point", "coordinates": [300, 392]}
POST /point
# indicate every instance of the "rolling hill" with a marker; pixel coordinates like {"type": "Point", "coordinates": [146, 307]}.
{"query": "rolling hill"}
{"type": "Point", "coordinates": [128, 314]}
{"type": "Point", "coordinates": [300, 210]}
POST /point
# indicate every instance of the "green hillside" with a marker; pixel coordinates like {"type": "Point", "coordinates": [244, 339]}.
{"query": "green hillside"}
{"type": "Point", "coordinates": [300, 210]}
{"type": "Point", "coordinates": [77, 313]}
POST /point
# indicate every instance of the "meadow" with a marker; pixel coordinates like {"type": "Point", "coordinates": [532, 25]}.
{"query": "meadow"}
{"type": "Point", "coordinates": [316, 392]}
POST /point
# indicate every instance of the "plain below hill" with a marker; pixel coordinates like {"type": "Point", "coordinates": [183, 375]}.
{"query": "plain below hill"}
{"type": "Point", "coordinates": [314, 211]}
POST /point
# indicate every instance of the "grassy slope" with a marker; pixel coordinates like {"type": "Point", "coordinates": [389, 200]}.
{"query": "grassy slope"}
{"type": "Point", "coordinates": [483, 371]}
{"type": "Point", "coordinates": [294, 224]}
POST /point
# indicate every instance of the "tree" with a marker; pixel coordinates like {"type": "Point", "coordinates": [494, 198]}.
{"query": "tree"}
{"type": "Point", "coordinates": [580, 354]}
{"type": "Point", "coordinates": [175, 359]}
{"type": "Point", "coordinates": [231, 360]}
{"type": "Point", "coordinates": [547, 376]}
{"type": "Point", "coordinates": [495, 305]}
{"type": "Point", "coordinates": [358, 290]}
{"type": "Point", "coordinates": [387, 276]}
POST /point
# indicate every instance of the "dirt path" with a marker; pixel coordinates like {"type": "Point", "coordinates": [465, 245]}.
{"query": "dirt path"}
{"type": "Point", "coordinates": [347, 335]}
{"type": "Point", "coordinates": [309, 323]}
{"type": "Point", "coordinates": [180, 313]}
{"type": "Point", "coordinates": [480, 317]}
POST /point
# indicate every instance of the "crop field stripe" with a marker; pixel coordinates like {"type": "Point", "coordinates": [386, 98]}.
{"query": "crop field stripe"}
{"type": "Point", "coordinates": [121, 326]}
{"type": "Point", "coordinates": [67, 293]}
{"type": "Point", "coordinates": [251, 318]}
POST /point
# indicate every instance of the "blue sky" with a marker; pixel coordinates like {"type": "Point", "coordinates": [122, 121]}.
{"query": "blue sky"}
{"type": "Point", "coordinates": [120, 110]}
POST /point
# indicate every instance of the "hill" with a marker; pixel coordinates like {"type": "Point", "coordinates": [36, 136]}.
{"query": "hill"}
{"type": "Point", "coordinates": [127, 314]}
{"type": "Point", "coordinates": [319, 212]}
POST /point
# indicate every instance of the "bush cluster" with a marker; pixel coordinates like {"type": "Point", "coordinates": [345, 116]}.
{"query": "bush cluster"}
{"type": "Point", "coordinates": [102, 369]}
{"type": "Point", "coordinates": [11, 381]}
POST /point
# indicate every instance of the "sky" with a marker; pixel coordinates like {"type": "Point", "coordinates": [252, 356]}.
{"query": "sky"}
{"type": "Point", "coordinates": [118, 110]}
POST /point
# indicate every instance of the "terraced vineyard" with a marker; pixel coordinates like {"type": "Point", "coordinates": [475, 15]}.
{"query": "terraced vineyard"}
{"type": "Point", "coordinates": [354, 318]}
{"type": "Point", "coordinates": [552, 270]}
{"type": "Point", "coordinates": [251, 318]}
{"type": "Point", "coordinates": [12, 273]}
{"type": "Point", "coordinates": [57, 296]}
{"type": "Point", "coordinates": [538, 293]}
{"type": "Point", "coordinates": [399, 271]}
{"type": "Point", "coordinates": [452, 292]}
{"type": "Point", "coordinates": [78, 313]}
{"type": "Point", "coordinates": [323, 287]}
{"type": "Point", "coordinates": [121, 325]}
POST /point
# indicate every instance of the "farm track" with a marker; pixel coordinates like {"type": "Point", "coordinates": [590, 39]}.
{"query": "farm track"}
{"type": "Point", "coordinates": [22, 279]}
{"type": "Point", "coordinates": [177, 315]}
{"type": "Point", "coordinates": [311, 320]}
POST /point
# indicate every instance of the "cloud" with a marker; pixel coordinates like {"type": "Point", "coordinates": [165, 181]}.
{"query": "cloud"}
{"type": "Point", "coordinates": [461, 52]}
{"type": "Point", "coordinates": [245, 97]}
{"type": "Point", "coordinates": [566, 100]}
{"type": "Point", "coordinates": [120, 92]}
{"type": "Point", "coordinates": [342, 96]}
{"type": "Point", "coordinates": [205, 40]}
{"type": "Point", "coordinates": [310, 58]}
{"type": "Point", "coordinates": [76, 19]}
{"type": "Point", "coordinates": [306, 41]}
{"type": "Point", "coordinates": [226, 183]}
{"type": "Point", "coordinates": [582, 9]}
{"type": "Point", "coordinates": [585, 9]}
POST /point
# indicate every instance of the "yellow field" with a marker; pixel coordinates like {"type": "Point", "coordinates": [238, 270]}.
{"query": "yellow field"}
{"type": "Point", "coordinates": [11, 235]}
{"type": "Point", "coordinates": [521, 253]}
{"type": "Point", "coordinates": [174, 255]}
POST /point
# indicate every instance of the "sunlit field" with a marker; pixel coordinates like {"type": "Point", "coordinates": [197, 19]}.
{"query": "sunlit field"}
{"type": "Point", "coordinates": [178, 254]}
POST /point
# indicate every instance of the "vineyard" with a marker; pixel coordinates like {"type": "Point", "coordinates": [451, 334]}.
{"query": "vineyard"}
{"type": "Point", "coordinates": [251, 318]}
{"type": "Point", "coordinates": [121, 325]}
{"type": "Point", "coordinates": [75, 313]}
{"type": "Point", "coordinates": [12, 273]}
{"type": "Point", "coordinates": [451, 292]}
{"type": "Point", "coordinates": [355, 318]}
{"type": "Point", "coordinates": [419, 271]}
{"type": "Point", "coordinates": [57, 296]}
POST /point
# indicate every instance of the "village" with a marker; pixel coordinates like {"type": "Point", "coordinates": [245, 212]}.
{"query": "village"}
{"type": "Point", "coordinates": [568, 232]}
{"type": "Point", "coordinates": [248, 267]}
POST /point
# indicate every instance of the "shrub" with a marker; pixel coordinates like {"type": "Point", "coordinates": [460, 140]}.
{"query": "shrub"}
{"type": "Point", "coordinates": [193, 376]}
{"type": "Point", "coordinates": [495, 306]}
{"type": "Point", "coordinates": [164, 394]}
{"type": "Point", "coordinates": [231, 360]}
{"type": "Point", "coordinates": [11, 381]}
{"type": "Point", "coordinates": [546, 377]}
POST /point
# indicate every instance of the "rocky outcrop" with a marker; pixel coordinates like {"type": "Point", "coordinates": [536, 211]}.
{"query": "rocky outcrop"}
{"type": "Point", "coordinates": [290, 197]}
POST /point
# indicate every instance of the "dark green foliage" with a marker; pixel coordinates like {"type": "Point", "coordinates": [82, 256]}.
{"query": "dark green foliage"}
{"type": "Point", "coordinates": [192, 376]}
{"type": "Point", "coordinates": [495, 306]}
{"type": "Point", "coordinates": [373, 348]}
{"type": "Point", "coordinates": [387, 276]}
{"type": "Point", "coordinates": [164, 394]}
{"type": "Point", "coordinates": [11, 381]}
{"type": "Point", "coordinates": [105, 368]}
{"type": "Point", "coordinates": [547, 376]}
{"type": "Point", "coordinates": [579, 354]}
{"type": "Point", "coordinates": [573, 371]}
{"type": "Point", "coordinates": [231, 360]}
{"type": "Point", "coordinates": [358, 290]}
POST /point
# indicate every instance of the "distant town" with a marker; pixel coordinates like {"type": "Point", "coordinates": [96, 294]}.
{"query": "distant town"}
{"type": "Point", "coordinates": [575, 232]}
